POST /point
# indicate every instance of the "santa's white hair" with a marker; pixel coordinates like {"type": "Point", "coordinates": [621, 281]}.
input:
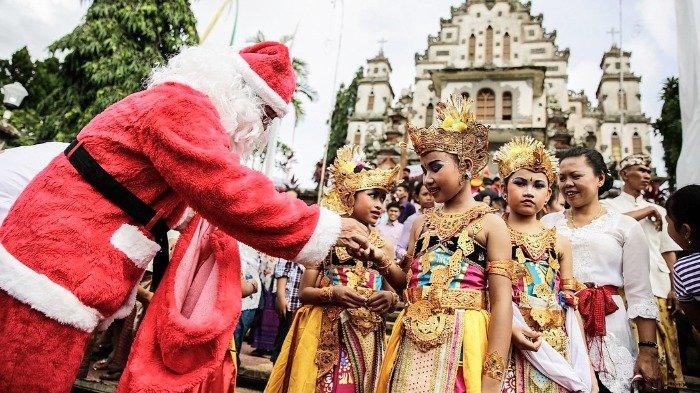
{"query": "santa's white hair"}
{"type": "Point", "coordinates": [211, 70]}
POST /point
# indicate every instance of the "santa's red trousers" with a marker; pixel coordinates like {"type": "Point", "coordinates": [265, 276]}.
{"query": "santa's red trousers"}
{"type": "Point", "coordinates": [37, 354]}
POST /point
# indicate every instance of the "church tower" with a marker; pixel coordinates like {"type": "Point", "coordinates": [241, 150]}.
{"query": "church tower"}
{"type": "Point", "coordinates": [374, 99]}
{"type": "Point", "coordinates": [616, 100]}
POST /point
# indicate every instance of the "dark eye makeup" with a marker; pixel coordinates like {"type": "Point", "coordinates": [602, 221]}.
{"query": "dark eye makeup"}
{"type": "Point", "coordinates": [436, 165]}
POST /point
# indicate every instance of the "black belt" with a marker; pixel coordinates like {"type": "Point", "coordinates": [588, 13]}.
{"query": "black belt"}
{"type": "Point", "coordinates": [112, 190]}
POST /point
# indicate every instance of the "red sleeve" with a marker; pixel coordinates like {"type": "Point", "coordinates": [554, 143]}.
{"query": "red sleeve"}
{"type": "Point", "coordinates": [185, 141]}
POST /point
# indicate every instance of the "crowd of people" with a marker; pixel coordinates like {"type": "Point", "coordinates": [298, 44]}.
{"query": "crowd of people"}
{"type": "Point", "coordinates": [532, 281]}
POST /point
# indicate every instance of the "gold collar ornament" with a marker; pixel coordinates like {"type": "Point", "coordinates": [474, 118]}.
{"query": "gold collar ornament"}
{"type": "Point", "coordinates": [350, 174]}
{"type": "Point", "coordinates": [457, 132]}
{"type": "Point", "coordinates": [528, 153]}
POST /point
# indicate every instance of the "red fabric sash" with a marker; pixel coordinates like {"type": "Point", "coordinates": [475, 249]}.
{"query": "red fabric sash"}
{"type": "Point", "coordinates": [594, 303]}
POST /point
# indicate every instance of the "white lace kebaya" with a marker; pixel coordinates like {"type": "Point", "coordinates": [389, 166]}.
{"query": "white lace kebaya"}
{"type": "Point", "coordinates": [613, 250]}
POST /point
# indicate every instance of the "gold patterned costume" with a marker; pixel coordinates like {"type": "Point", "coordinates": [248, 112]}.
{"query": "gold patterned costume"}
{"type": "Point", "coordinates": [439, 342]}
{"type": "Point", "coordinates": [537, 290]}
{"type": "Point", "coordinates": [330, 348]}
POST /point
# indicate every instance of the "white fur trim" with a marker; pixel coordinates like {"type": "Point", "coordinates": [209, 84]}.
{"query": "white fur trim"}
{"type": "Point", "coordinates": [261, 88]}
{"type": "Point", "coordinates": [44, 295]}
{"type": "Point", "coordinates": [134, 244]}
{"type": "Point", "coordinates": [324, 237]}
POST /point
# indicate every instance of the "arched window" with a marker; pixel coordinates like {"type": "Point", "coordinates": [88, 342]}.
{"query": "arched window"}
{"type": "Point", "coordinates": [358, 137]}
{"type": "Point", "coordinates": [507, 107]}
{"type": "Point", "coordinates": [616, 149]}
{"type": "Point", "coordinates": [486, 104]}
{"type": "Point", "coordinates": [465, 95]}
{"type": "Point", "coordinates": [622, 99]}
{"type": "Point", "coordinates": [636, 144]}
{"type": "Point", "coordinates": [506, 47]}
{"type": "Point", "coordinates": [472, 47]}
{"type": "Point", "coordinates": [370, 102]}
{"type": "Point", "coordinates": [489, 45]}
{"type": "Point", "coordinates": [429, 114]}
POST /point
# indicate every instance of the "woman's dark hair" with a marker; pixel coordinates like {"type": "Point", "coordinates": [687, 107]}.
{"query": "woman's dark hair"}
{"type": "Point", "coordinates": [684, 208]}
{"type": "Point", "coordinates": [416, 189]}
{"type": "Point", "coordinates": [595, 160]}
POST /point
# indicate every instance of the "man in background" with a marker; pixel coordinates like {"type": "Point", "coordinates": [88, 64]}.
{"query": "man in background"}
{"type": "Point", "coordinates": [391, 229]}
{"type": "Point", "coordinates": [288, 276]}
{"type": "Point", "coordinates": [635, 171]}
{"type": "Point", "coordinates": [402, 193]}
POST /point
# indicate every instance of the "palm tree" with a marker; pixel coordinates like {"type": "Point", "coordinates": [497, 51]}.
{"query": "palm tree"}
{"type": "Point", "coordinates": [303, 91]}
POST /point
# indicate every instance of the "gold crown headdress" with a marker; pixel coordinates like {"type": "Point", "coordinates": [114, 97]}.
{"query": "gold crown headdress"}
{"type": "Point", "coordinates": [526, 152]}
{"type": "Point", "coordinates": [456, 132]}
{"type": "Point", "coordinates": [350, 174]}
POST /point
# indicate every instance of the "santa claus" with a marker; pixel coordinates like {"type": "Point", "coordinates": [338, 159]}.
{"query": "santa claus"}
{"type": "Point", "coordinates": [76, 241]}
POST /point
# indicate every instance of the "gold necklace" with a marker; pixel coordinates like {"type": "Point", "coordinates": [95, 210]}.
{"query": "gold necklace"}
{"type": "Point", "coordinates": [534, 244]}
{"type": "Point", "coordinates": [446, 225]}
{"type": "Point", "coordinates": [570, 218]}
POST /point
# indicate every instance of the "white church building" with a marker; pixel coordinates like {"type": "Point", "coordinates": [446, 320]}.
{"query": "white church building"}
{"type": "Point", "coordinates": [498, 53]}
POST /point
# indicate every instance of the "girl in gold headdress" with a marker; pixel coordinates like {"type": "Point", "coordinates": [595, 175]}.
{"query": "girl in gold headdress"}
{"type": "Point", "coordinates": [336, 342]}
{"type": "Point", "coordinates": [458, 262]}
{"type": "Point", "coordinates": [550, 354]}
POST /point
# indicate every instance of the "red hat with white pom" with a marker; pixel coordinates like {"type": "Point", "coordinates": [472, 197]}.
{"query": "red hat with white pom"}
{"type": "Point", "coordinates": [267, 69]}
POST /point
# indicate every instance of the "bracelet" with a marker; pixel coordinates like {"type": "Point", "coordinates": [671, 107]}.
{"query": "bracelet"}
{"type": "Point", "coordinates": [494, 366]}
{"type": "Point", "coordinates": [650, 344]}
{"type": "Point", "coordinates": [394, 299]}
{"type": "Point", "coordinates": [503, 268]}
{"type": "Point", "coordinates": [385, 266]}
{"type": "Point", "coordinates": [568, 284]}
{"type": "Point", "coordinates": [327, 293]}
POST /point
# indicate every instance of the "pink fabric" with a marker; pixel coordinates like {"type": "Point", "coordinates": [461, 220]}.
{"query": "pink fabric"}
{"type": "Point", "coordinates": [460, 386]}
{"type": "Point", "coordinates": [475, 278]}
{"type": "Point", "coordinates": [174, 353]}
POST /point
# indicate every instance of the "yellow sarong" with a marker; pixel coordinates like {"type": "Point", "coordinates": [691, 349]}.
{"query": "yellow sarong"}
{"type": "Point", "coordinates": [474, 344]}
{"type": "Point", "coordinates": [295, 370]}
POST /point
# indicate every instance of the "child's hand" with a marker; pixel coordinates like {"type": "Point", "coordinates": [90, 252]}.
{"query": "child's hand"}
{"type": "Point", "coordinates": [381, 302]}
{"type": "Point", "coordinates": [526, 339]}
{"type": "Point", "coordinates": [347, 297]}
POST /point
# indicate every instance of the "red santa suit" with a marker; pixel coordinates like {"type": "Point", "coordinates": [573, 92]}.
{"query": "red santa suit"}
{"type": "Point", "coordinates": [70, 259]}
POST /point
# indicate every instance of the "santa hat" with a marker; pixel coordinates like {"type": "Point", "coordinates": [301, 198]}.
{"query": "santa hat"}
{"type": "Point", "coordinates": [267, 69]}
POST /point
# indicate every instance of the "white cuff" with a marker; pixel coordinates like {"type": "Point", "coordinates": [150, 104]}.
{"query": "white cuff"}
{"type": "Point", "coordinates": [324, 237]}
{"type": "Point", "coordinates": [645, 309]}
{"type": "Point", "coordinates": [40, 293]}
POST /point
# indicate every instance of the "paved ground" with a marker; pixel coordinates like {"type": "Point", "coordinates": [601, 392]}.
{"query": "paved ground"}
{"type": "Point", "coordinates": [252, 376]}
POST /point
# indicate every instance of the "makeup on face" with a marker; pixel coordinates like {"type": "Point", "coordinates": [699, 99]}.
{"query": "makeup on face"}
{"type": "Point", "coordinates": [368, 205]}
{"type": "Point", "coordinates": [441, 175]}
{"type": "Point", "coordinates": [527, 192]}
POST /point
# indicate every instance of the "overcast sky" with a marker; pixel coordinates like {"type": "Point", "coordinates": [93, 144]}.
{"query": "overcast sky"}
{"type": "Point", "coordinates": [648, 31]}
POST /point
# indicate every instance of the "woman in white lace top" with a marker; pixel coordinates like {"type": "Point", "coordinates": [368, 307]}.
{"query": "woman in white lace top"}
{"type": "Point", "coordinates": [611, 258]}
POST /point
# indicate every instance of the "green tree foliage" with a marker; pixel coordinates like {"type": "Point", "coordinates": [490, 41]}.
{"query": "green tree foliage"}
{"type": "Point", "coordinates": [108, 56]}
{"type": "Point", "coordinates": [668, 125]}
{"type": "Point", "coordinates": [40, 78]}
{"type": "Point", "coordinates": [345, 100]}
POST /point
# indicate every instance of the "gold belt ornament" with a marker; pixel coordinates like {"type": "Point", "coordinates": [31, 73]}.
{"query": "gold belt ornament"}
{"type": "Point", "coordinates": [429, 317]}
{"type": "Point", "coordinates": [461, 299]}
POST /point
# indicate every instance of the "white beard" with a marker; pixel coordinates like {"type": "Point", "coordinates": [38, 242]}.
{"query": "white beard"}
{"type": "Point", "coordinates": [211, 71]}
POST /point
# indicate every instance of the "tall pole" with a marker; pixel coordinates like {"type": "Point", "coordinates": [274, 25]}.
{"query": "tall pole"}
{"type": "Point", "coordinates": [235, 24]}
{"type": "Point", "coordinates": [213, 22]}
{"type": "Point", "coordinates": [335, 81]}
{"type": "Point", "coordinates": [620, 94]}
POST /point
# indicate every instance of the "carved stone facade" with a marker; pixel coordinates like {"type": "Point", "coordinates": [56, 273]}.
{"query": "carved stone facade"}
{"type": "Point", "coordinates": [498, 53]}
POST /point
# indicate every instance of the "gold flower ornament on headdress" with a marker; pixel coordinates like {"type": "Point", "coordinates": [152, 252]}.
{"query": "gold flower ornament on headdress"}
{"type": "Point", "coordinates": [456, 131]}
{"type": "Point", "coordinates": [350, 174]}
{"type": "Point", "coordinates": [528, 153]}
